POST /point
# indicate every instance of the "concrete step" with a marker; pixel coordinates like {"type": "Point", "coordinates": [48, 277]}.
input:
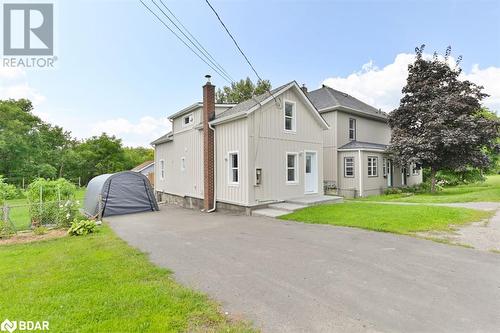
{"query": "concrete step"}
{"type": "Point", "coordinates": [316, 200]}
{"type": "Point", "coordinates": [269, 212]}
{"type": "Point", "coordinates": [287, 206]}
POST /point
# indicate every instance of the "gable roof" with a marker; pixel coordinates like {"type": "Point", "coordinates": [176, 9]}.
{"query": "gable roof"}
{"type": "Point", "coordinates": [142, 166]}
{"type": "Point", "coordinates": [196, 105]}
{"type": "Point", "coordinates": [355, 145]}
{"type": "Point", "coordinates": [162, 139]}
{"type": "Point", "coordinates": [327, 99]}
{"type": "Point", "coordinates": [250, 105]}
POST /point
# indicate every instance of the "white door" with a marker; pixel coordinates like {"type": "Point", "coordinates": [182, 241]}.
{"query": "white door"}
{"type": "Point", "coordinates": [311, 173]}
{"type": "Point", "coordinates": [389, 173]}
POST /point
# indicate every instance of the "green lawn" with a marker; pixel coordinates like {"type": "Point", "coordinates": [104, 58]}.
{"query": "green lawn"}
{"type": "Point", "coordinates": [100, 284]}
{"type": "Point", "coordinates": [487, 191]}
{"type": "Point", "coordinates": [401, 219]}
{"type": "Point", "coordinates": [19, 211]}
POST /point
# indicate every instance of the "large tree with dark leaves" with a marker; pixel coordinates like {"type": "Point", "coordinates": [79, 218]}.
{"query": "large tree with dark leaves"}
{"type": "Point", "coordinates": [241, 91]}
{"type": "Point", "coordinates": [440, 123]}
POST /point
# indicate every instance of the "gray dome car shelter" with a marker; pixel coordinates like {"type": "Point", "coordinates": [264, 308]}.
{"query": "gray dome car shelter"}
{"type": "Point", "coordinates": [122, 193]}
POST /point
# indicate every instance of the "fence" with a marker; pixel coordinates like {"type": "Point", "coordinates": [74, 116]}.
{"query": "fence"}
{"type": "Point", "coordinates": [25, 216]}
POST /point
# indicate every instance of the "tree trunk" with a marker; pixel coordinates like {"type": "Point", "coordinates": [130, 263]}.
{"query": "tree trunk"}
{"type": "Point", "coordinates": [433, 180]}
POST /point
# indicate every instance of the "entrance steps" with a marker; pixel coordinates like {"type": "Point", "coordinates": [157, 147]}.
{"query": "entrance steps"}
{"type": "Point", "coordinates": [291, 205]}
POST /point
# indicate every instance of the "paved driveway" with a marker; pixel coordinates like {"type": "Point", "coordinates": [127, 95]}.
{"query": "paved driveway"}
{"type": "Point", "coordinates": [293, 277]}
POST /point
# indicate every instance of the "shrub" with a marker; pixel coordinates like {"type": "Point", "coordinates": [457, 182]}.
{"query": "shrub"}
{"type": "Point", "coordinates": [392, 190]}
{"type": "Point", "coordinates": [6, 229]}
{"type": "Point", "coordinates": [8, 191]}
{"type": "Point", "coordinates": [40, 230]}
{"type": "Point", "coordinates": [51, 190]}
{"type": "Point", "coordinates": [82, 227]}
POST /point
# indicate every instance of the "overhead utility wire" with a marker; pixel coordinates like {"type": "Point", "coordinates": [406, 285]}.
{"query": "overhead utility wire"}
{"type": "Point", "coordinates": [237, 45]}
{"type": "Point", "coordinates": [219, 66]}
{"type": "Point", "coordinates": [178, 37]}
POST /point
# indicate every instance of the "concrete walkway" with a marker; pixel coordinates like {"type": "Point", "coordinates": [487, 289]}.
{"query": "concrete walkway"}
{"type": "Point", "coordinates": [294, 277]}
{"type": "Point", "coordinates": [481, 235]}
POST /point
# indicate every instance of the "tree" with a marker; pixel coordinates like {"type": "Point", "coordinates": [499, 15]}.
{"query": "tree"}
{"type": "Point", "coordinates": [137, 155]}
{"type": "Point", "coordinates": [241, 91]}
{"type": "Point", "coordinates": [439, 123]}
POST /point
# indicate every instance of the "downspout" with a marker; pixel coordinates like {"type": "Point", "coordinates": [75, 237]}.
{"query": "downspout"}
{"type": "Point", "coordinates": [215, 172]}
{"type": "Point", "coordinates": [360, 174]}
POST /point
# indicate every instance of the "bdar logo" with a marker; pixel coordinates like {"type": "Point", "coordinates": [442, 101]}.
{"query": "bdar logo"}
{"type": "Point", "coordinates": [8, 326]}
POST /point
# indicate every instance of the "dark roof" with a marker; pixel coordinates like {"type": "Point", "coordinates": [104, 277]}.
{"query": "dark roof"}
{"type": "Point", "coordinates": [250, 103]}
{"type": "Point", "coordinates": [363, 145]}
{"type": "Point", "coordinates": [326, 98]}
{"type": "Point", "coordinates": [142, 166]}
{"type": "Point", "coordinates": [164, 138]}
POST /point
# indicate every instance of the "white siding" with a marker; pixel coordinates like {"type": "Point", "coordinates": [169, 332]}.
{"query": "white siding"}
{"type": "Point", "coordinates": [269, 144]}
{"type": "Point", "coordinates": [188, 145]}
{"type": "Point", "coordinates": [230, 137]}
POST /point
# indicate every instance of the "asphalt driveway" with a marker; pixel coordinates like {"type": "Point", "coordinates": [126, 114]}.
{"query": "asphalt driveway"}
{"type": "Point", "coordinates": [294, 277]}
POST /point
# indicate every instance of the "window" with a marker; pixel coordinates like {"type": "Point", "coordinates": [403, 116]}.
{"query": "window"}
{"type": "Point", "coordinates": [384, 167]}
{"type": "Point", "coordinates": [372, 166]}
{"type": "Point", "coordinates": [183, 164]}
{"type": "Point", "coordinates": [162, 169]}
{"type": "Point", "coordinates": [352, 129]}
{"type": "Point", "coordinates": [233, 168]}
{"type": "Point", "coordinates": [187, 120]}
{"type": "Point", "coordinates": [415, 170]}
{"type": "Point", "coordinates": [291, 167]}
{"type": "Point", "coordinates": [289, 113]}
{"type": "Point", "coordinates": [348, 167]}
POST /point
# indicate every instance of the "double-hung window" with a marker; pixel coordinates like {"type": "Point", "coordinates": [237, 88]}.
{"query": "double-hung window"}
{"type": "Point", "coordinates": [349, 167]}
{"type": "Point", "coordinates": [372, 166]}
{"type": "Point", "coordinates": [291, 168]}
{"type": "Point", "coordinates": [289, 116]}
{"type": "Point", "coordinates": [415, 169]}
{"type": "Point", "coordinates": [352, 129]}
{"type": "Point", "coordinates": [162, 169]}
{"type": "Point", "coordinates": [384, 167]}
{"type": "Point", "coordinates": [234, 171]}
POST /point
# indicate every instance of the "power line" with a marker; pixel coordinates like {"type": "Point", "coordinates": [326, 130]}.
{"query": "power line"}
{"type": "Point", "coordinates": [189, 39]}
{"type": "Point", "coordinates": [234, 40]}
{"type": "Point", "coordinates": [219, 66]}
{"type": "Point", "coordinates": [182, 40]}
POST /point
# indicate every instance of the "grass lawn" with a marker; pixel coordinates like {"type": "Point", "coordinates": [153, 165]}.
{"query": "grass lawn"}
{"type": "Point", "coordinates": [487, 191]}
{"type": "Point", "coordinates": [401, 219]}
{"type": "Point", "coordinates": [98, 283]}
{"type": "Point", "coordinates": [19, 212]}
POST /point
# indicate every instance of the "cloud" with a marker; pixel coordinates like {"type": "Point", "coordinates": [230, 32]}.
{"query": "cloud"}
{"type": "Point", "coordinates": [139, 133]}
{"type": "Point", "coordinates": [381, 87]}
{"type": "Point", "coordinates": [13, 84]}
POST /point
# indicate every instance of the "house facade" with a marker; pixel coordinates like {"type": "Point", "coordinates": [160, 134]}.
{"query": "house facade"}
{"type": "Point", "coordinates": [283, 144]}
{"type": "Point", "coordinates": [356, 163]}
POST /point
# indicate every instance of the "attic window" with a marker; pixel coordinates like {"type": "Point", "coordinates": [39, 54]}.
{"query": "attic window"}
{"type": "Point", "coordinates": [289, 116]}
{"type": "Point", "coordinates": [187, 120]}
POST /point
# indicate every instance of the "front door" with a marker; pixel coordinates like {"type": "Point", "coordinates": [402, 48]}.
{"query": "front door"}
{"type": "Point", "coordinates": [311, 173]}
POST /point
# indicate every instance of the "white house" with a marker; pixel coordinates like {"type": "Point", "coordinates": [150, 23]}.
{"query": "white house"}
{"type": "Point", "coordinates": [281, 145]}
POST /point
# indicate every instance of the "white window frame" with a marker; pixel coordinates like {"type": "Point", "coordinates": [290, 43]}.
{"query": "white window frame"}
{"type": "Point", "coordinates": [162, 169]}
{"type": "Point", "coordinates": [414, 170]}
{"type": "Point", "coordinates": [295, 168]}
{"type": "Point", "coordinates": [231, 167]}
{"type": "Point", "coordinates": [353, 166]}
{"type": "Point", "coordinates": [190, 117]}
{"type": "Point", "coordinates": [294, 116]}
{"type": "Point", "coordinates": [352, 129]}
{"type": "Point", "coordinates": [183, 163]}
{"type": "Point", "coordinates": [372, 166]}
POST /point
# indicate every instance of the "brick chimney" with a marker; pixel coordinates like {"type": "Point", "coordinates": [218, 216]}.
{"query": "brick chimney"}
{"type": "Point", "coordinates": [208, 145]}
{"type": "Point", "coordinates": [304, 89]}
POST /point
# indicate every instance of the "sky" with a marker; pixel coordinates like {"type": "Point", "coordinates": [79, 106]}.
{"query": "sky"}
{"type": "Point", "coordinates": [119, 71]}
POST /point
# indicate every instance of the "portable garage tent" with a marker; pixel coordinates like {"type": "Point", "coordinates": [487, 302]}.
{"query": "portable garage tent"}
{"type": "Point", "coordinates": [122, 193]}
